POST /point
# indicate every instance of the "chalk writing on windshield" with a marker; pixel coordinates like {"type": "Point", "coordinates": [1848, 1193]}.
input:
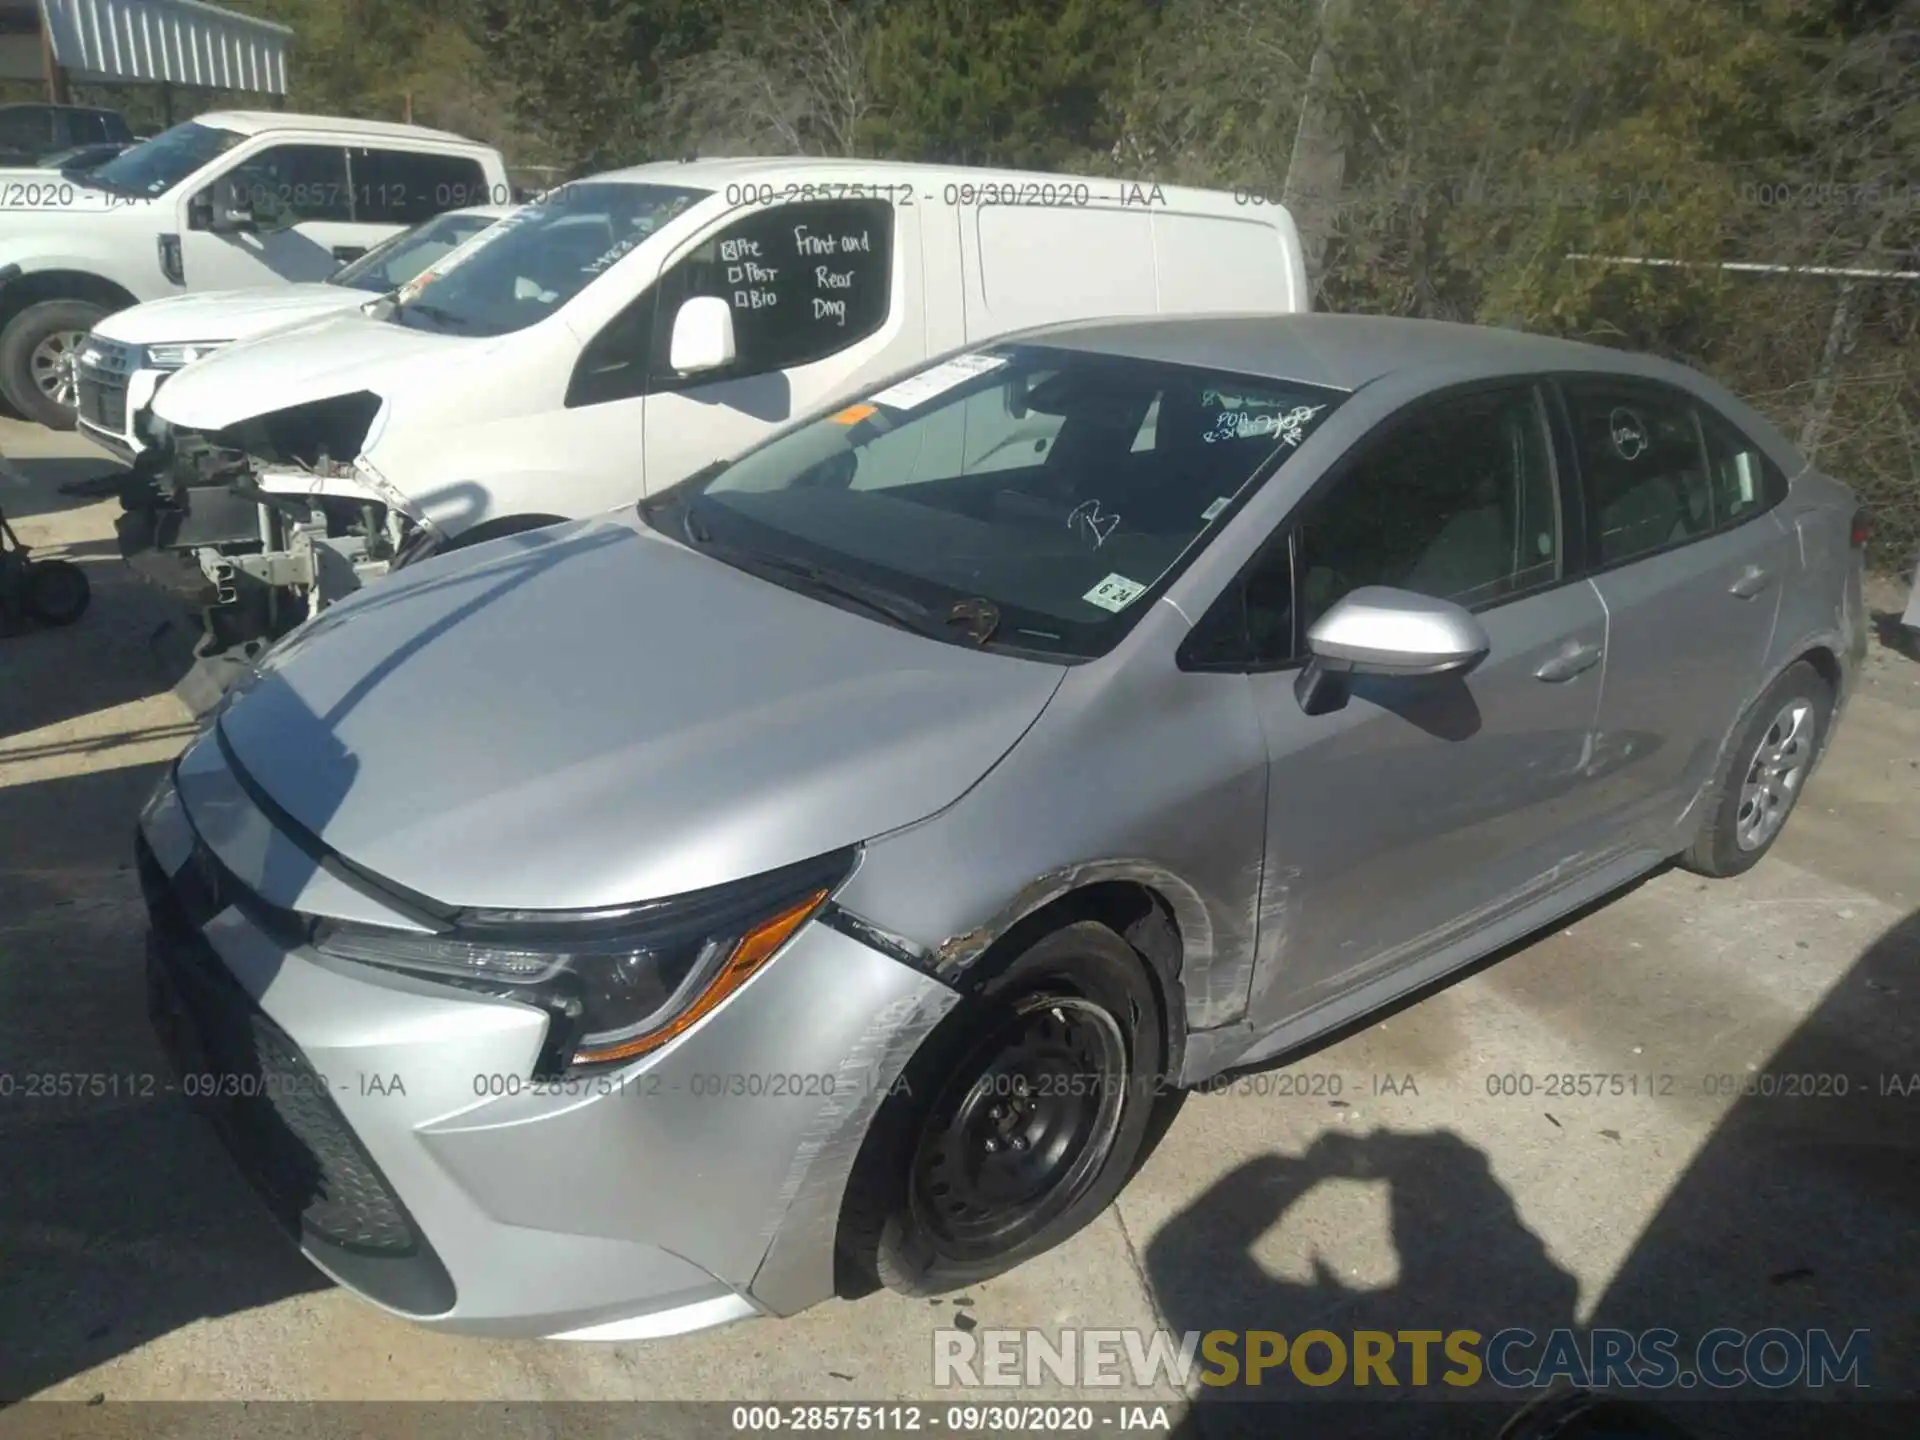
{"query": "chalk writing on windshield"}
{"type": "Point", "coordinates": [1287, 427]}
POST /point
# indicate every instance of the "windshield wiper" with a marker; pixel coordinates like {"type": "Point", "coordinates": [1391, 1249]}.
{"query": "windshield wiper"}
{"type": "Point", "coordinates": [894, 608]}
{"type": "Point", "coordinates": [432, 312]}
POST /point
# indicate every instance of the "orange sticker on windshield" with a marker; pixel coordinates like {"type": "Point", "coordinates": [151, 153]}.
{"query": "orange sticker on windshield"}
{"type": "Point", "coordinates": [854, 414]}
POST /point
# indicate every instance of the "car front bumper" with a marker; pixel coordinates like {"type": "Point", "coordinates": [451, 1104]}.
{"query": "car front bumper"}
{"type": "Point", "coordinates": [392, 1125]}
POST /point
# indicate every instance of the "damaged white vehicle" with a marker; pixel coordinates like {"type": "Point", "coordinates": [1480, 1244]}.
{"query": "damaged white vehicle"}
{"type": "Point", "coordinates": [624, 331]}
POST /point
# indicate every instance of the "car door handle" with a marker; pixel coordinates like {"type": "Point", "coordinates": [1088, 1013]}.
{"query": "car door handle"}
{"type": "Point", "coordinates": [1574, 657]}
{"type": "Point", "coordinates": [1751, 582]}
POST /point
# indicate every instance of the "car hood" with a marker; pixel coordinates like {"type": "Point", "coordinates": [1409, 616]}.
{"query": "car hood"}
{"type": "Point", "coordinates": [227, 314]}
{"type": "Point", "coordinates": [336, 354]}
{"type": "Point", "coordinates": [593, 715]}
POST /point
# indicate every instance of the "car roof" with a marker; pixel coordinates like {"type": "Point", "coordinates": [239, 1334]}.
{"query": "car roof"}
{"type": "Point", "coordinates": [715, 174]}
{"type": "Point", "coordinates": [1342, 352]}
{"type": "Point", "coordinates": [260, 122]}
{"type": "Point", "coordinates": [497, 212]}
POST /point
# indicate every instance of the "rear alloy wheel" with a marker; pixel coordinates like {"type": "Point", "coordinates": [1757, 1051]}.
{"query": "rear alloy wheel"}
{"type": "Point", "coordinates": [1021, 1119]}
{"type": "Point", "coordinates": [37, 351]}
{"type": "Point", "coordinates": [1764, 773]}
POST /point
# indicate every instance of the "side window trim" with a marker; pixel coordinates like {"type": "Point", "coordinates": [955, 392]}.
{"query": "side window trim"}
{"type": "Point", "coordinates": [1697, 410]}
{"type": "Point", "coordinates": [1232, 595]}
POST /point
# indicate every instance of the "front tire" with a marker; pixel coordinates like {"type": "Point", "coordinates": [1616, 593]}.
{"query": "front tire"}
{"type": "Point", "coordinates": [1021, 1118]}
{"type": "Point", "coordinates": [36, 354]}
{"type": "Point", "coordinates": [1763, 774]}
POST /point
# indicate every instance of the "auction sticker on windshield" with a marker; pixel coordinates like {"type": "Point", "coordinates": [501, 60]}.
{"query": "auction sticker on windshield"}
{"type": "Point", "coordinates": [918, 389]}
{"type": "Point", "coordinates": [1114, 593]}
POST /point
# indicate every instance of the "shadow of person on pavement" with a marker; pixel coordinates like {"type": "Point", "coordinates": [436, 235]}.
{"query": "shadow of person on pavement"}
{"type": "Point", "coordinates": [1466, 1261]}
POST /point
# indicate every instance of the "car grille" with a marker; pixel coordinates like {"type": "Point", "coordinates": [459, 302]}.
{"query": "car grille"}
{"type": "Point", "coordinates": [268, 1103]}
{"type": "Point", "coordinates": [100, 380]}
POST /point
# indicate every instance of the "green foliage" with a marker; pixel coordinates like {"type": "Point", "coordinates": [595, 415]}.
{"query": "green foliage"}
{"type": "Point", "coordinates": [1006, 82]}
{"type": "Point", "coordinates": [1486, 160]}
{"type": "Point", "coordinates": [587, 72]}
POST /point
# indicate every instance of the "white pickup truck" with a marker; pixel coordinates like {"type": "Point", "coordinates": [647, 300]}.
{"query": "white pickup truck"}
{"type": "Point", "coordinates": [228, 200]}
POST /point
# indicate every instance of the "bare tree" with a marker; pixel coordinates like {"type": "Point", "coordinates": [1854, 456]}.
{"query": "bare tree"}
{"type": "Point", "coordinates": [792, 79]}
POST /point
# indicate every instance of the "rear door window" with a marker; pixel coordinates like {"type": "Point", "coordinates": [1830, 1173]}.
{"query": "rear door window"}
{"type": "Point", "coordinates": [307, 182]}
{"type": "Point", "coordinates": [405, 187]}
{"type": "Point", "coordinates": [1643, 468]}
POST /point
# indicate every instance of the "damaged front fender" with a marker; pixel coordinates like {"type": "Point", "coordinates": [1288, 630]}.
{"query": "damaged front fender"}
{"type": "Point", "coordinates": [278, 514]}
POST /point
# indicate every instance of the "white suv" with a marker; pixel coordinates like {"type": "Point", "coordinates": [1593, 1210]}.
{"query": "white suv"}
{"type": "Point", "coordinates": [232, 199]}
{"type": "Point", "coordinates": [123, 362]}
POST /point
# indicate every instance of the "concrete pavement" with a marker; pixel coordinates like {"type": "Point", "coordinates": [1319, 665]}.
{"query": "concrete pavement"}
{"type": "Point", "coordinates": [1426, 1171]}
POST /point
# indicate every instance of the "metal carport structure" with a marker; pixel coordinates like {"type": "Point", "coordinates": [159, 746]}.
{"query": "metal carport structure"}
{"type": "Point", "coordinates": [132, 42]}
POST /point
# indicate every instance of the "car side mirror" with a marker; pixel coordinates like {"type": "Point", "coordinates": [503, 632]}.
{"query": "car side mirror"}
{"type": "Point", "coordinates": [702, 336]}
{"type": "Point", "coordinates": [1378, 630]}
{"type": "Point", "coordinates": [228, 209]}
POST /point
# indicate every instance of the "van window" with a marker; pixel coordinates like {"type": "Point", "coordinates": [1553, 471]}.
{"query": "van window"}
{"type": "Point", "coordinates": [803, 281]}
{"type": "Point", "coordinates": [1040, 264]}
{"type": "Point", "coordinates": [522, 270]}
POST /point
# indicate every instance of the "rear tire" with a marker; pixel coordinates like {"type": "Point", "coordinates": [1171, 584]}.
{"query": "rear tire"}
{"type": "Point", "coordinates": [58, 592]}
{"type": "Point", "coordinates": [1021, 1118]}
{"type": "Point", "coordinates": [1762, 776]}
{"type": "Point", "coordinates": [35, 343]}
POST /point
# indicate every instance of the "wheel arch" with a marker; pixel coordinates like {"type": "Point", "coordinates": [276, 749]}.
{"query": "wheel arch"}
{"type": "Point", "coordinates": [1156, 913]}
{"type": "Point", "coordinates": [37, 286]}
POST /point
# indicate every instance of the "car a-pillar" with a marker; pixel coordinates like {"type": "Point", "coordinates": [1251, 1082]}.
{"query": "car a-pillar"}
{"type": "Point", "coordinates": [1029, 1107]}
{"type": "Point", "coordinates": [44, 317]}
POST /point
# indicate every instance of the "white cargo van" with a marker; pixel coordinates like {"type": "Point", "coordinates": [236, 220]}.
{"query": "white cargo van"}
{"type": "Point", "coordinates": [626, 330]}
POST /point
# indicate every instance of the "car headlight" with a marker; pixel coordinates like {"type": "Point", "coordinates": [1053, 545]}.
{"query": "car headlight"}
{"type": "Point", "coordinates": [616, 984]}
{"type": "Point", "coordinates": [175, 357]}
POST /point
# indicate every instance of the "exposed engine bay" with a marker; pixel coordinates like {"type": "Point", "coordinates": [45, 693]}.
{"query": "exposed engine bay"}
{"type": "Point", "coordinates": [265, 522]}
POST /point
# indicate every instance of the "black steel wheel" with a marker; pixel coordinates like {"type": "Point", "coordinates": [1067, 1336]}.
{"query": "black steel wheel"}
{"type": "Point", "coordinates": [1020, 1120]}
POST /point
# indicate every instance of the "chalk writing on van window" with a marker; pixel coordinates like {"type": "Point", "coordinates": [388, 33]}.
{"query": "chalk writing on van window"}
{"type": "Point", "coordinates": [1287, 428]}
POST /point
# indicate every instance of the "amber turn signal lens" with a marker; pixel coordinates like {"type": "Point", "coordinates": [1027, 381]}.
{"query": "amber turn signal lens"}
{"type": "Point", "coordinates": [754, 949]}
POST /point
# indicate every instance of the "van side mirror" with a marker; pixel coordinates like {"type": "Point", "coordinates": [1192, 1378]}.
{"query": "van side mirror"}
{"type": "Point", "coordinates": [1379, 630]}
{"type": "Point", "coordinates": [702, 336]}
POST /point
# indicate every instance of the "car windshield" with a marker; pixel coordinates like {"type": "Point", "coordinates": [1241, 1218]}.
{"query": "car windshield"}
{"type": "Point", "coordinates": [1027, 497]}
{"type": "Point", "coordinates": [540, 257]}
{"type": "Point", "coordinates": [159, 164]}
{"type": "Point", "coordinates": [399, 258]}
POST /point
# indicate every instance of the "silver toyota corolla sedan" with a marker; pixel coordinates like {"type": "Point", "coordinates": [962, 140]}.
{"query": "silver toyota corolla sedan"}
{"type": "Point", "coordinates": [814, 875]}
